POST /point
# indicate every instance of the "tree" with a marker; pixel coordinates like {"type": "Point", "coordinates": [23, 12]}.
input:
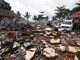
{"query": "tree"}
{"type": "Point", "coordinates": [5, 5]}
{"type": "Point", "coordinates": [78, 4]}
{"type": "Point", "coordinates": [46, 17]}
{"type": "Point", "coordinates": [76, 20]}
{"type": "Point", "coordinates": [42, 12]}
{"type": "Point", "coordinates": [77, 8]}
{"type": "Point", "coordinates": [62, 13]}
{"type": "Point", "coordinates": [27, 15]}
{"type": "Point", "coordinates": [35, 18]}
{"type": "Point", "coordinates": [40, 17]}
{"type": "Point", "coordinates": [54, 18]}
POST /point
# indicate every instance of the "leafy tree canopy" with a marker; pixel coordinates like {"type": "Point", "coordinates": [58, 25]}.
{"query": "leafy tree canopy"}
{"type": "Point", "coordinates": [5, 5]}
{"type": "Point", "coordinates": [77, 8]}
{"type": "Point", "coordinates": [46, 17]}
{"type": "Point", "coordinates": [27, 15]}
{"type": "Point", "coordinates": [62, 12]}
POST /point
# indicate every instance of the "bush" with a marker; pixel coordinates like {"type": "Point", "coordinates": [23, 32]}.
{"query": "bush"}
{"type": "Point", "coordinates": [76, 25]}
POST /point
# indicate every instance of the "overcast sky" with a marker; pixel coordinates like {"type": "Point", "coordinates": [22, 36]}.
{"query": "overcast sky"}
{"type": "Point", "coordinates": [40, 5]}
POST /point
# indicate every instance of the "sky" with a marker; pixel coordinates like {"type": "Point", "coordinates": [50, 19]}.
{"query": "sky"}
{"type": "Point", "coordinates": [33, 6]}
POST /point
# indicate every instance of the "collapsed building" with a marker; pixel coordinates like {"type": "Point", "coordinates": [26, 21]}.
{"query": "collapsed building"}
{"type": "Point", "coordinates": [19, 40]}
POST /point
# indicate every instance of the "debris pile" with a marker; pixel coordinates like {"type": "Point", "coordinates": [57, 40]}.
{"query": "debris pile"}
{"type": "Point", "coordinates": [31, 43]}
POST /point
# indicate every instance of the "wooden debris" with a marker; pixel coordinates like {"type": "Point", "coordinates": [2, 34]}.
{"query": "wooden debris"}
{"type": "Point", "coordinates": [30, 53]}
{"type": "Point", "coordinates": [63, 41]}
{"type": "Point", "coordinates": [49, 52]}
{"type": "Point", "coordinates": [72, 49]}
{"type": "Point", "coordinates": [54, 41]}
{"type": "Point", "coordinates": [48, 29]}
{"type": "Point", "coordinates": [48, 32]}
{"type": "Point", "coordinates": [54, 34]}
{"type": "Point", "coordinates": [43, 41]}
{"type": "Point", "coordinates": [46, 42]}
{"type": "Point", "coordinates": [78, 43]}
{"type": "Point", "coordinates": [16, 44]}
{"type": "Point", "coordinates": [76, 58]}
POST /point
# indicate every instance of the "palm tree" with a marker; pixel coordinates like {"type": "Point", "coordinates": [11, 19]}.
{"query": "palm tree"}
{"type": "Point", "coordinates": [27, 15]}
{"type": "Point", "coordinates": [40, 17]}
{"type": "Point", "coordinates": [35, 18]}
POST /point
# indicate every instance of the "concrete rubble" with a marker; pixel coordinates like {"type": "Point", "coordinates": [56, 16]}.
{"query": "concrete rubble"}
{"type": "Point", "coordinates": [20, 41]}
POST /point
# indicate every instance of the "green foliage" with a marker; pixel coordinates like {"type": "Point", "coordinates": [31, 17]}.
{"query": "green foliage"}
{"type": "Point", "coordinates": [54, 18]}
{"type": "Point", "coordinates": [46, 17]}
{"type": "Point", "coordinates": [5, 5]}
{"type": "Point", "coordinates": [75, 9]}
{"type": "Point", "coordinates": [77, 25]}
{"type": "Point", "coordinates": [62, 13]}
{"type": "Point", "coordinates": [78, 4]}
{"type": "Point", "coordinates": [40, 17]}
{"type": "Point", "coordinates": [76, 20]}
{"type": "Point", "coordinates": [35, 18]}
{"type": "Point", "coordinates": [27, 15]}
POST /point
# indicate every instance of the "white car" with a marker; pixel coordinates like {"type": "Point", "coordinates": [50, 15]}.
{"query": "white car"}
{"type": "Point", "coordinates": [66, 25]}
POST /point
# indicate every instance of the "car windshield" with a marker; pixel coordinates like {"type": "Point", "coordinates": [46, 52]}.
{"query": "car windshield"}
{"type": "Point", "coordinates": [66, 22]}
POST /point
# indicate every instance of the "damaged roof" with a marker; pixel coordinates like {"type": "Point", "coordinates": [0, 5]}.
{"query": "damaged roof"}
{"type": "Point", "coordinates": [6, 13]}
{"type": "Point", "coordinates": [75, 15]}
